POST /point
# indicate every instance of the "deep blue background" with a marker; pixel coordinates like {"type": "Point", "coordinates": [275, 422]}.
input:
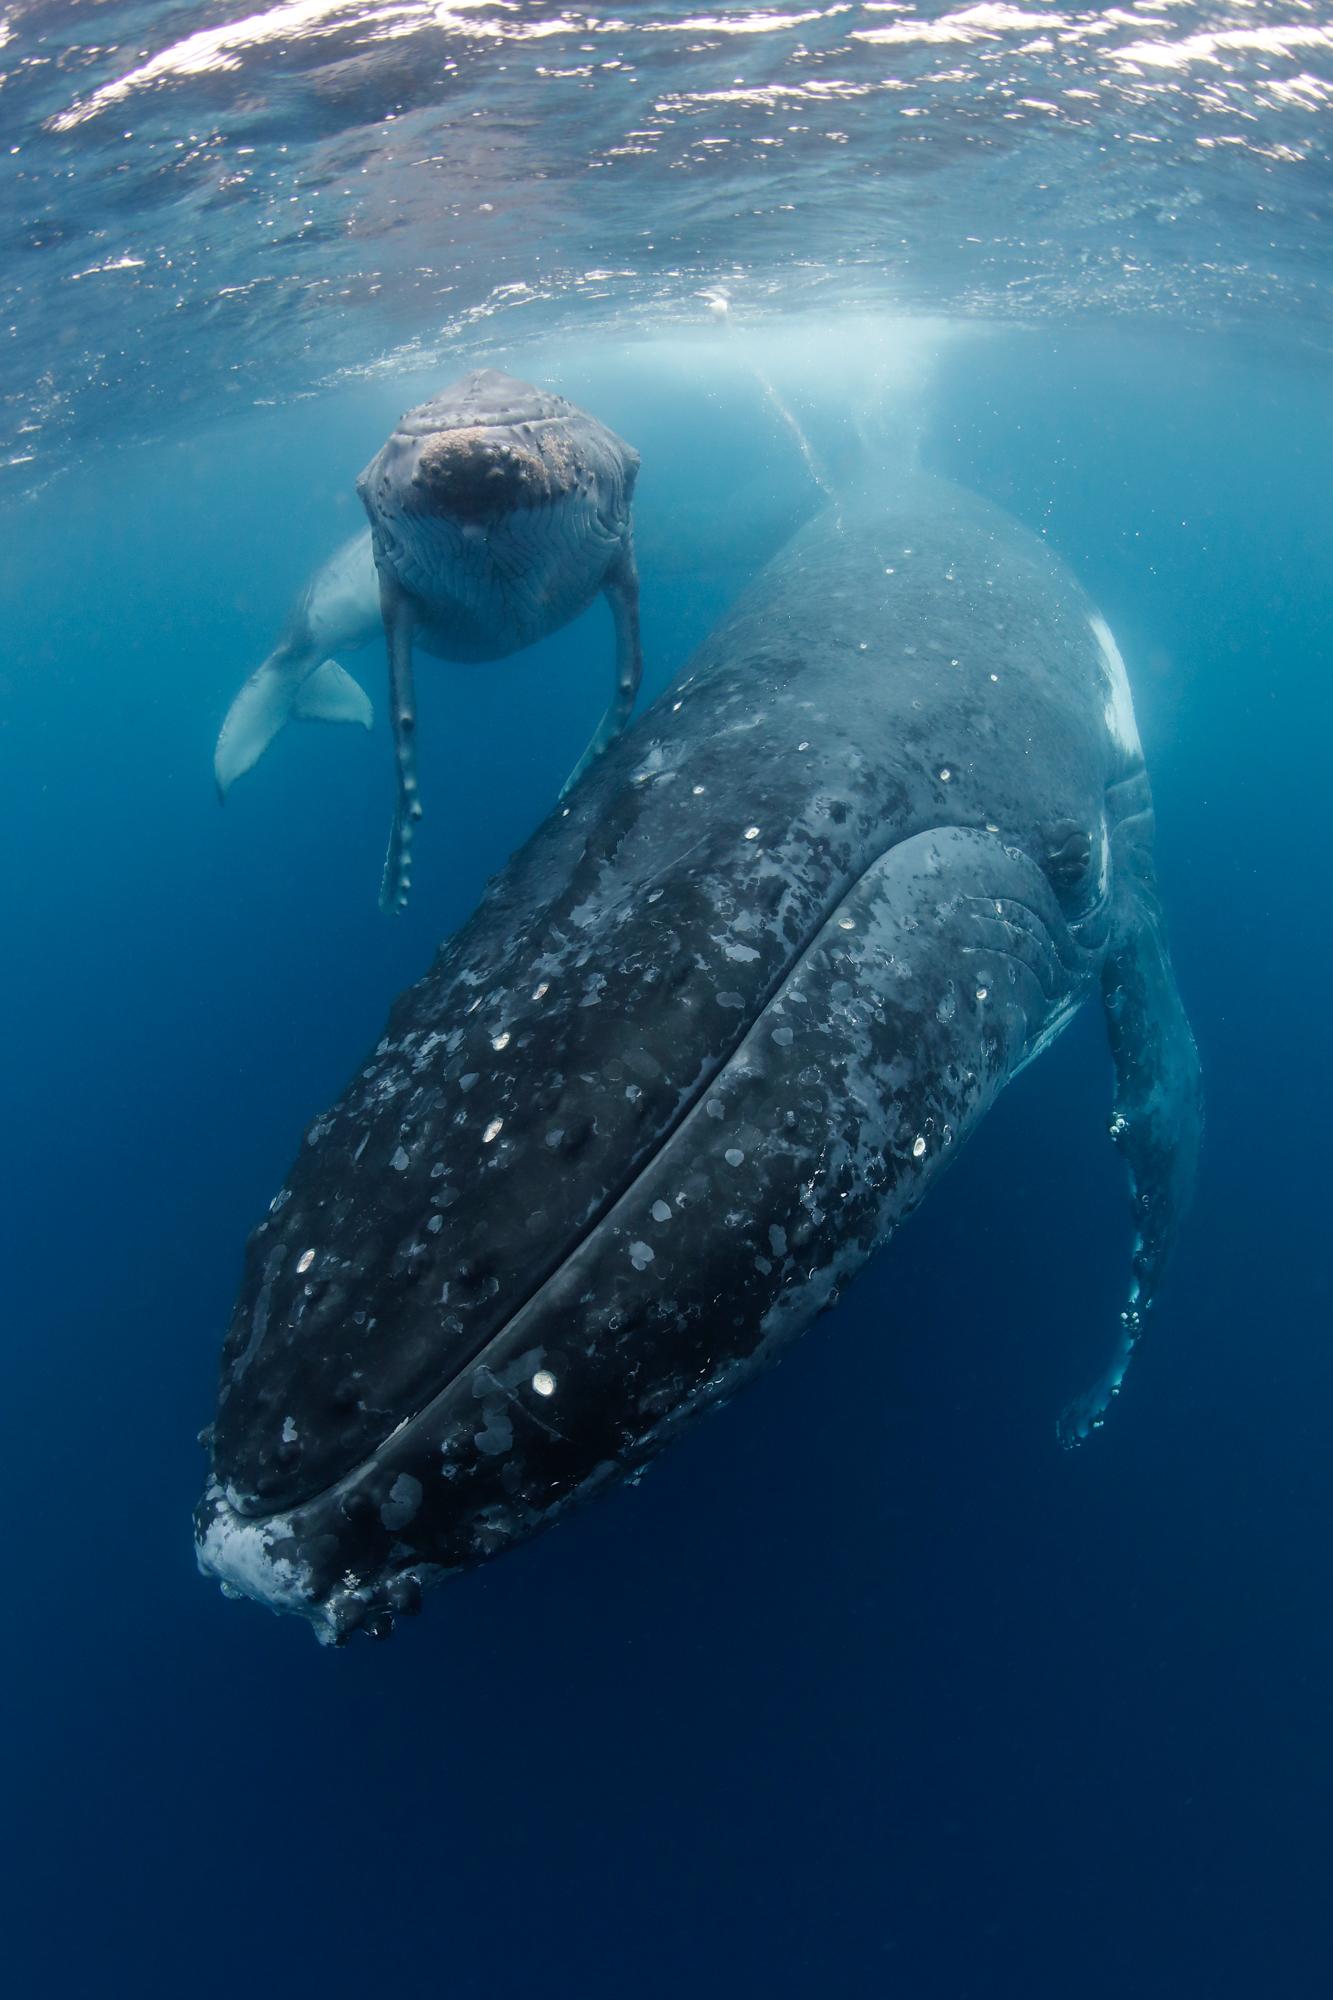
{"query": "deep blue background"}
{"type": "Point", "coordinates": [867, 1689]}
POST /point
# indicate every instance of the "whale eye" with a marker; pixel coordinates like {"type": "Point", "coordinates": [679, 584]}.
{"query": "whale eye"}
{"type": "Point", "coordinates": [1068, 853]}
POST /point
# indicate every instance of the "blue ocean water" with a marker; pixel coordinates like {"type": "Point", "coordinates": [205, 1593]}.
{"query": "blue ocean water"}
{"type": "Point", "coordinates": [867, 1688]}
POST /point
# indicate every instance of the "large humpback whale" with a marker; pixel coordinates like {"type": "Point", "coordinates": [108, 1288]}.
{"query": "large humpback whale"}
{"type": "Point", "coordinates": [497, 513]}
{"type": "Point", "coordinates": [712, 1034]}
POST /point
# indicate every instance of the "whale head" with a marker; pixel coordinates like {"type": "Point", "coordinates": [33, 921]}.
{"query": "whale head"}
{"type": "Point", "coordinates": [496, 507]}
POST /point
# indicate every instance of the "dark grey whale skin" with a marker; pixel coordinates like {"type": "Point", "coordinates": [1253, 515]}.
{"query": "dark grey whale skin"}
{"type": "Point", "coordinates": [712, 1033]}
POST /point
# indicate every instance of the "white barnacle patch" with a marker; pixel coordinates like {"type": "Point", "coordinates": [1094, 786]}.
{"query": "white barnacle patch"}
{"type": "Point", "coordinates": [846, 923]}
{"type": "Point", "coordinates": [945, 774]}
{"type": "Point", "coordinates": [540, 992]}
{"type": "Point", "coordinates": [500, 1041]}
{"type": "Point", "coordinates": [403, 1501]}
{"type": "Point", "coordinates": [1119, 702]}
{"type": "Point", "coordinates": [239, 1553]}
{"type": "Point", "coordinates": [304, 1261]}
{"type": "Point", "coordinates": [493, 1131]}
{"type": "Point", "coordinates": [752, 833]}
{"type": "Point", "coordinates": [697, 790]}
{"type": "Point", "coordinates": [543, 1382]}
{"type": "Point", "coordinates": [918, 1147]}
{"type": "Point", "coordinates": [982, 992]}
{"type": "Point", "coordinates": [640, 1255]}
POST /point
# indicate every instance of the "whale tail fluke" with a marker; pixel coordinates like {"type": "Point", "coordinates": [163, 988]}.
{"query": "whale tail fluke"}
{"type": "Point", "coordinates": [1157, 1117]}
{"type": "Point", "coordinates": [285, 689]}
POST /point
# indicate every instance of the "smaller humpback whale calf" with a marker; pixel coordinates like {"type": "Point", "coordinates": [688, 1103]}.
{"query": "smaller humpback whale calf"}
{"type": "Point", "coordinates": [497, 513]}
{"type": "Point", "coordinates": [710, 1037]}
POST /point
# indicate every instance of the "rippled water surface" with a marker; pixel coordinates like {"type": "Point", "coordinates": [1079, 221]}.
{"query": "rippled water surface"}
{"type": "Point", "coordinates": [200, 203]}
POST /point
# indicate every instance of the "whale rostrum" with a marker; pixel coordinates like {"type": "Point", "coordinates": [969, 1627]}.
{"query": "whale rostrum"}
{"type": "Point", "coordinates": [710, 1037]}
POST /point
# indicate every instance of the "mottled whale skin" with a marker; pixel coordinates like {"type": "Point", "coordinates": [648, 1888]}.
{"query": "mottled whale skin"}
{"type": "Point", "coordinates": [711, 1035]}
{"type": "Point", "coordinates": [497, 513]}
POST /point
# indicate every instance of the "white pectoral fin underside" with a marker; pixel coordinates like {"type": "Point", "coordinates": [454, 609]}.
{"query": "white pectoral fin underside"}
{"type": "Point", "coordinates": [282, 691]}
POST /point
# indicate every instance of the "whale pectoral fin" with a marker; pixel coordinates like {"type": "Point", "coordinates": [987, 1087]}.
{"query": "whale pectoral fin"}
{"type": "Point", "coordinates": [285, 689]}
{"type": "Point", "coordinates": [398, 623]}
{"type": "Point", "coordinates": [621, 586]}
{"type": "Point", "coordinates": [331, 695]}
{"type": "Point", "coordinates": [1157, 1123]}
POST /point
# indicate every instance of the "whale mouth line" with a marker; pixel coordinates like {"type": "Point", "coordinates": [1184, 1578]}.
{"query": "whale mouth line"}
{"type": "Point", "coordinates": [614, 1194]}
